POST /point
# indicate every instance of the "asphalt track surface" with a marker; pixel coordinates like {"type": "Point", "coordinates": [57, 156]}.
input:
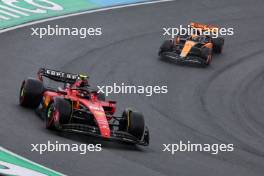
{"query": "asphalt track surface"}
{"type": "Point", "coordinates": [219, 104]}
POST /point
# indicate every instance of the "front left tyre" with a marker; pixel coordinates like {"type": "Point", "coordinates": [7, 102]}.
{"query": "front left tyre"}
{"type": "Point", "coordinates": [134, 124]}
{"type": "Point", "coordinates": [31, 93]}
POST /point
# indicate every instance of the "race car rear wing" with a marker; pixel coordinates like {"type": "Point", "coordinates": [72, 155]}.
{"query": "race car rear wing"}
{"type": "Point", "coordinates": [57, 76]}
{"type": "Point", "coordinates": [204, 27]}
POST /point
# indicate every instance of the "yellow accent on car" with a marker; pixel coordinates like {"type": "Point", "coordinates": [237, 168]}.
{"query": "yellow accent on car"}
{"type": "Point", "coordinates": [47, 100]}
{"type": "Point", "coordinates": [128, 119]}
{"type": "Point", "coordinates": [83, 76]}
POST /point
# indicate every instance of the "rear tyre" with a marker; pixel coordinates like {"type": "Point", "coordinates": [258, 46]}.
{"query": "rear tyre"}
{"type": "Point", "coordinates": [218, 44]}
{"type": "Point", "coordinates": [135, 123]}
{"type": "Point", "coordinates": [58, 112]}
{"type": "Point", "coordinates": [206, 54]}
{"type": "Point", "coordinates": [167, 46]}
{"type": "Point", "coordinates": [31, 93]}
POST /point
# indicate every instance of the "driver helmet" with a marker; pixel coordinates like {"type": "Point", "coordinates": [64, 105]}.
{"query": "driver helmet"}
{"type": "Point", "coordinates": [83, 81]}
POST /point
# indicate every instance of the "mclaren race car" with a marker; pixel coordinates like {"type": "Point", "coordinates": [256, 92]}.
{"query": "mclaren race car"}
{"type": "Point", "coordinates": [194, 49]}
{"type": "Point", "coordinates": [75, 107]}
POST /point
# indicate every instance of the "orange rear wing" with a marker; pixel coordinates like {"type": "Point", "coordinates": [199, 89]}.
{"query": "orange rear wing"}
{"type": "Point", "coordinates": [204, 27]}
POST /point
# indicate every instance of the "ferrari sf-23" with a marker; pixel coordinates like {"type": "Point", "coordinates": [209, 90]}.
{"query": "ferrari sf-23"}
{"type": "Point", "coordinates": [76, 107]}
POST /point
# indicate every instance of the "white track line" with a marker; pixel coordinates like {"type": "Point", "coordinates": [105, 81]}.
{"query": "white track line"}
{"type": "Point", "coordinates": [81, 13]}
{"type": "Point", "coordinates": [31, 162]}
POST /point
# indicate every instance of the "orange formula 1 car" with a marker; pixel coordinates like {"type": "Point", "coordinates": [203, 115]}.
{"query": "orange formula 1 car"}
{"type": "Point", "coordinates": [193, 49]}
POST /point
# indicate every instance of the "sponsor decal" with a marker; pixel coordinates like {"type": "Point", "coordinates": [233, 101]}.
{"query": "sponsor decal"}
{"type": "Point", "coordinates": [16, 12]}
{"type": "Point", "coordinates": [11, 9]}
{"type": "Point", "coordinates": [61, 74]}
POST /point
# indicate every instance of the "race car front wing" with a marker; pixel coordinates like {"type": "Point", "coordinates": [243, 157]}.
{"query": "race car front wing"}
{"type": "Point", "coordinates": [94, 131]}
{"type": "Point", "coordinates": [183, 60]}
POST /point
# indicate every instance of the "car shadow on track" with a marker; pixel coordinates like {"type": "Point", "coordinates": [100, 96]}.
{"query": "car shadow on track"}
{"type": "Point", "coordinates": [171, 61]}
{"type": "Point", "coordinates": [86, 139]}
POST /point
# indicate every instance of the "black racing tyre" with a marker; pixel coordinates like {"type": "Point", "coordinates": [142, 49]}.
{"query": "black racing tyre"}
{"type": "Point", "coordinates": [59, 108]}
{"type": "Point", "coordinates": [31, 93]}
{"type": "Point", "coordinates": [218, 44]}
{"type": "Point", "coordinates": [64, 108]}
{"type": "Point", "coordinates": [101, 96]}
{"type": "Point", "coordinates": [167, 46]}
{"type": "Point", "coordinates": [206, 54]}
{"type": "Point", "coordinates": [135, 123]}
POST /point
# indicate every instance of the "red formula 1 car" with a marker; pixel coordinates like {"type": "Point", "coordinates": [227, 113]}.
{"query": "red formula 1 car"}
{"type": "Point", "coordinates": [75, 107]}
